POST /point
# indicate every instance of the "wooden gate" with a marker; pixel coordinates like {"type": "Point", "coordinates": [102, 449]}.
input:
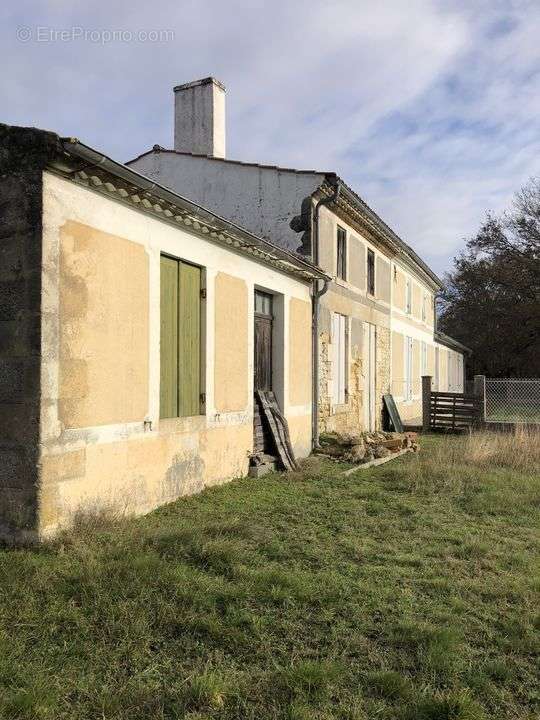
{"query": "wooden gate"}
{"type": "Point", "coordinates": [452, 411]}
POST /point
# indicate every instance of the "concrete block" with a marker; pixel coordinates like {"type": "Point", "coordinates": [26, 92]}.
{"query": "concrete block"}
{"type": "Point", "coordinates": [258, 471]}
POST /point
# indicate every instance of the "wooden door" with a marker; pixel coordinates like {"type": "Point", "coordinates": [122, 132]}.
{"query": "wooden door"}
{"type": "Point", "coordinates": [262, 368]}
{"type": "Point", "coordinates": [263, 341]}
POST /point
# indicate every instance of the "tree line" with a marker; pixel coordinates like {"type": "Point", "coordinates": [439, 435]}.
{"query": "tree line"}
{"type": "Point", "coordinates": [491, 301]}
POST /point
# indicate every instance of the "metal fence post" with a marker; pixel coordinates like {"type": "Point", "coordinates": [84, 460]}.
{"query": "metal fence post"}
{"type": "Point", "coordinates": [426, 402]}
{"type": "Point", "coordinates": [480, 394]}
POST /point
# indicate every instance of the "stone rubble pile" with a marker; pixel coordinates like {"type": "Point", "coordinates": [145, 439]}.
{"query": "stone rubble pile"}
{"type": "Point", "coordinates": [365, 446]}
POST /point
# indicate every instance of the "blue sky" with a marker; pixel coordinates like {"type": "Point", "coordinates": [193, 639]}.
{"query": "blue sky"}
{"type": "Point", "coordinates": [430, 110]}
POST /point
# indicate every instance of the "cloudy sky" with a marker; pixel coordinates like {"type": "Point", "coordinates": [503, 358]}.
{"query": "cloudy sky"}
{"type": "Point", "coordinates": [429, 109]}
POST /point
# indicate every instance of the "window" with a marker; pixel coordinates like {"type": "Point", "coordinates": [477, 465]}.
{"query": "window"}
{"type": "Point", "coordinates": [408, 357]}
{"type": "Point", "coordinates": [339, 359]}
{"type": "Point", "coordinates": [424, 300]}
{"type": "Point", "coordinates": [341, 253]}
{"type": "Point", "coordinates": [263, 303]}
{"type": "Point", "coordinates": [371, 272]}
{"type": "Point", "coordinates": [408, 297]}
{"type": "Point", "coordinates": [180, 339]}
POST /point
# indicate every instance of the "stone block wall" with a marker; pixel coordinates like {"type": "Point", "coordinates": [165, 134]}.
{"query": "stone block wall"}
{"type": "Point", "coordinates": [23, 153]}
{"type": "Point", "coordinates": [348, 417]}
{"type": "Point", "coordinates": [383, 370]}
{"type": "Point", "coordinates": [20, 287]}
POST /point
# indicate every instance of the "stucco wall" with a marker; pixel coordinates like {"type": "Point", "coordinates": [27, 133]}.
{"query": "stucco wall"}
{"type": "Point", "coordinates": [357, 262]}
{"type": "Point", "coordinates": [231, 344]}
{"type": "Point", "coordinates": [300, 352]}
{"type": "Point", "coordinates": [398, 365]}
{"type": "Point", "coordinates": [399, 296]}
{"type": "Point", "coordinates": [116, 453]}
{"type": "Point", "coordinates": [103, 324]}
{"type": "Point", "coordinates": [263, 200]}
{"type": "Point", "coordinates": [382, 279]}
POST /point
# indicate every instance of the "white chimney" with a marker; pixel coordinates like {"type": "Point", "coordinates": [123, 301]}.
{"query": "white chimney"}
{"type": "Point", "coordinates": [199, 117]}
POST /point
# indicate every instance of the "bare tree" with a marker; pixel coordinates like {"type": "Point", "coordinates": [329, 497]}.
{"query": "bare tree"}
{"type": "Point", "coordinates": [492, 298]}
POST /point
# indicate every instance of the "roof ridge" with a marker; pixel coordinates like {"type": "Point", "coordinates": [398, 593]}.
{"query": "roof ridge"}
{"type": "Point", "coordinates": [266, 166]}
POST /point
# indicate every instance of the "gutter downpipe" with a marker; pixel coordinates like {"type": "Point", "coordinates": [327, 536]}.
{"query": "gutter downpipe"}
{"type": "Point", "coordinates": [318, 292]}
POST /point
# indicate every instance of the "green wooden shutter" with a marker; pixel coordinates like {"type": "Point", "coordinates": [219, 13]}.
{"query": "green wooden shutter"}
{"type": "Point", "coordinates": [168, 389]}
{"type": "Point", "coordinates": [189, 340]}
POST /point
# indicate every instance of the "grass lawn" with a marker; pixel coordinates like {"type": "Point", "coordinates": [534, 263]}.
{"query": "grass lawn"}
{"type": "Point", "coordinates": [512, 412]}
{"type": "Point", "coordinates": [407, 591]}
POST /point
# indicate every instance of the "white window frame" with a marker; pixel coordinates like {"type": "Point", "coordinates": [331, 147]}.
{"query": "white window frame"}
{"type": "Point", "coordinates": [340, 359]}
{"type": "Point", "coordinates": [424, 311]}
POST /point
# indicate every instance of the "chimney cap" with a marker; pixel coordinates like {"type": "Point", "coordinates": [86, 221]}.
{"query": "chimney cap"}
{"type": "Point", "coordinates": [196, 83]}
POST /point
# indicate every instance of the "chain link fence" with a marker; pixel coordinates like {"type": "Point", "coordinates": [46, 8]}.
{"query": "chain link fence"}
{"type": "Point", "coordinates": [513, 400]}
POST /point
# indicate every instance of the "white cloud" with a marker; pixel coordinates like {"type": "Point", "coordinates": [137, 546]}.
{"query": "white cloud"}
{"type": "Point", "coordinates": [429, 109]}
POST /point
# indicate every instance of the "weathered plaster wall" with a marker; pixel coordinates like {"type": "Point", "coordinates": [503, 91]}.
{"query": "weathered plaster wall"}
{"type": "Point", "coordinates": [263, 200]}
{"type": "Point", "coordinates": [104, 308]}
{"type": "Point", "coordinates": [398, 365]}
{"type": "Point", "coordinates": [136, 461]}
{"type": "Point", "coordinates": [300, 352]}
{"type": "Point", "coordinates": [349, 416]}
{"type": "Point", "coordinates": [352, 302]}
{"type": "Point", "coordinates": [231, 344]}
{"type": "Point", "coordinates": [399, 295]}
{"type": "Point", "coordinates": [382, 280]}
{"type": "Point", "coordinates": [357, 262]}
{"type": "Point", "coordinates": [416, 301]}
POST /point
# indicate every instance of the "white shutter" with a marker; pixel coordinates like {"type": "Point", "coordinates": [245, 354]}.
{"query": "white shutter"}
{"type": "Point", "coordinates": [339, 358]}
{"type": "Point", "coordinates": [408, 368]}
{"type": "Point", "coordinates": [342, 358]}
{"type": "Point", "coordinates": [335, 359]}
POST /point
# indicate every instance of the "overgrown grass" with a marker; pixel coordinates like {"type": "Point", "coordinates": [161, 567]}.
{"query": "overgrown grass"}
{"type": "Point", "coordinates": [408, 591]}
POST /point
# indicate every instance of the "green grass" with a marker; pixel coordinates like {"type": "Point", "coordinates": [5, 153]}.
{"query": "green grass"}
{"type": "Point", "coordinates": [513, 412]}
{"type": "Point", "coordinates": [408, 591]}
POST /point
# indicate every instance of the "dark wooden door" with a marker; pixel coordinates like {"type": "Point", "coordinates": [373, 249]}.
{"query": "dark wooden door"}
{"type": "Point", "coordinates": [262, 368]}
{"type": "Point", "coordinates": [263, 341]}
{"type": "Point", "coordinates": [263, 354]}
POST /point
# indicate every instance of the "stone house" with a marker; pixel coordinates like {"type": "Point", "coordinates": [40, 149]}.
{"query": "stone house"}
{"type": "Point", "coordinates": [375, 322]}
{"type": "Point", "coordinates": [129, 343]}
